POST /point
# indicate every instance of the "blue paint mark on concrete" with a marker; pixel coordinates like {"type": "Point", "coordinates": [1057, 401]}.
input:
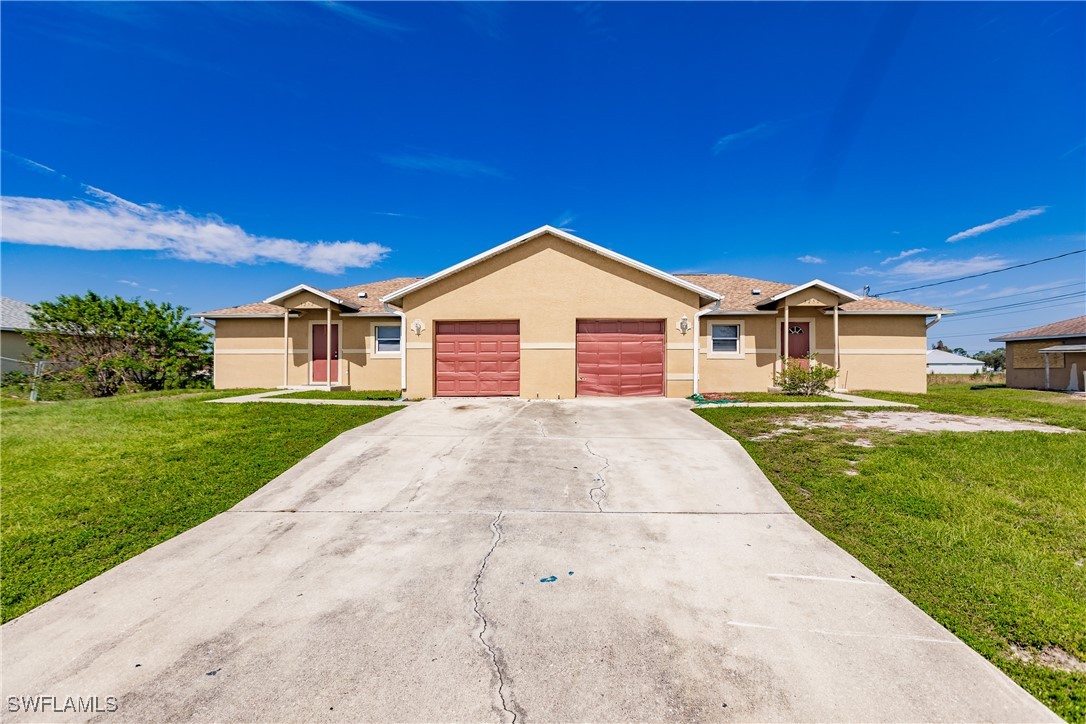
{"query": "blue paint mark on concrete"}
{"type": "Point", "coordinates": [548, 579]}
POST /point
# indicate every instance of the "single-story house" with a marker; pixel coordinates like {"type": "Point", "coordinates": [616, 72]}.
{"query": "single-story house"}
{"type": "Point", "coordinates": [1049, 357]}
{"type": "Point", "coordinates": [941, 362]}
{"type": "Point", "coordinates": [15, 320]}
{"type": "Point", "coordinates": [549, 315]}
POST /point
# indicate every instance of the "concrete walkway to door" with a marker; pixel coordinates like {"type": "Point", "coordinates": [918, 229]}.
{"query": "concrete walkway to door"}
{"type": "Point", "coordinates": [504, 560]}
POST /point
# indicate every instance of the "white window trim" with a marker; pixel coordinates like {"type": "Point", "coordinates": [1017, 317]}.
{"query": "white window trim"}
{"type": "Point", "coordinates": [741, 351]}
{"type": "Point", "coordinates": [373, 335]}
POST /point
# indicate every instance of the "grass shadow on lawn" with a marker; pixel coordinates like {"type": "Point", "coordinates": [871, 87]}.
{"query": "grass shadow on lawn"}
{"type": "Point", "coordinates": [87, 484]}
{"type": "Point", "coordinates": [983, 531]}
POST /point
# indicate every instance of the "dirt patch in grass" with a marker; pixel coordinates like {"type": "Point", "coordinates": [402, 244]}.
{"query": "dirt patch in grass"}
{"type": "Point", "coordinates": [904, 421]}
{"type": "Point", "coordinates": [1052, 657]}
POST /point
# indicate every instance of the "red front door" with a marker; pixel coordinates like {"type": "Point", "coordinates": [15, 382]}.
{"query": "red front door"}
{"type": "Point", "coordinates": [620, 357]}
{"type": "Point", "coordinates": [796, 341]}
{"type": "Point", "coordinates": [321, 359]}
{"type": "Point", "coordinates": [475, 359]}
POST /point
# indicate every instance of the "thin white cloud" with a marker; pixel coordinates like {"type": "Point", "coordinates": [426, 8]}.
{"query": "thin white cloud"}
{"type": "Point", "coordinates": [128, 282]}
{"type": "Point", "coordinates": [902, 255]}
{"type": "Point", "coordinates": [366, 18]}
{"type": "Point", "coordinates": [725, 142]}
{"type": "Point", "coordinates": [110, 223]}
{"type": "Point", "coordinates": [1004, 221]}
{"type": "Point", "coordinates": [564, 220]}
{"type": "Point", "coordinates": [442, 164]}
{"type": "Point", "coordinates": [808, 259]}
{"type": "Point", "coordinates": [936, 268]}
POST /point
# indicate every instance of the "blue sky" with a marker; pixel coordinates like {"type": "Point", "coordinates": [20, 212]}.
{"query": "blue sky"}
{"type": "Point", "coordinates": [212, 154]}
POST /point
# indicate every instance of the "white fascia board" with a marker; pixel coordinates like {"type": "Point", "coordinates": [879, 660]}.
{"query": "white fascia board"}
{"type": "Point", "coordinates": [561, 235]}
{"type": "Point", "coordinates": [367, 314]}
{"type": "Point", "coordinates": [293, 315]}
{"type": "Point", "coordinates": [813, 283]}
{"type": "Point", "coordinates": [892, 312]}
{"type": "Point", "coordinates": [739, 312]}
{"type": "Point", "coordinates": [302, 288]}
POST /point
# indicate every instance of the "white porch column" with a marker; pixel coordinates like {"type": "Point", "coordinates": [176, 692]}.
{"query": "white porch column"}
{"type": "Point", "coordinates": [787, 341]}
{"type": "Point", "coordinates": [328, 348]}
{"type": "Point", "coordinates": [286, 348]}
{"type": "Point", "coordinates": [836, 340]}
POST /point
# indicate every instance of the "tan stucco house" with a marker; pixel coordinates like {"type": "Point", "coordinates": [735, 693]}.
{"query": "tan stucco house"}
{"type": "Point", "coordinates": [549, 315]}
{"type": "Point", "coordinates": [1049, 357]}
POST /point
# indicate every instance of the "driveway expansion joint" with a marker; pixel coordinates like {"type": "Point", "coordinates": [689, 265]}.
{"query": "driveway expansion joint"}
{"type": "Point", "coordinates": [495, 526]}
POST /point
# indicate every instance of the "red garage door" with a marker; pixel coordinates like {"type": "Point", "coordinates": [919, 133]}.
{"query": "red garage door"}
{"type": "Point", "coordinates": [620, 357]}
{"type": "Point", "coordinates": [475, 359]}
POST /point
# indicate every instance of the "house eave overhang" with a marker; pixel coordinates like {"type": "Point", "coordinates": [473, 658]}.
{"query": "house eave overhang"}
{"type": "Point", "coordinates": [397, 295]}
{"type": "Point", "coordinates": [275, 298]}
{"type": "Point", "coordinates": [893, 312]}
{"type": "Point", "coordinates": [1041, 338]}
{"type": "Point", "coordinates": [813, 283]}
{"type": "Point", "coordinates": [293, 315]}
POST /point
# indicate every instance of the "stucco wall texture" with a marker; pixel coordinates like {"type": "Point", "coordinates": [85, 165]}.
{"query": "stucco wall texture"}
{"type": "Point", "coordinates": [547, 284]}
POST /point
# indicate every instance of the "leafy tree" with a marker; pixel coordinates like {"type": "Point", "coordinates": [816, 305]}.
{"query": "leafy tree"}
{"type": "Point", "coordinates": [940, 345]}
{"type": "Point", "coordinates": [960, 351]}
{"type": "Point", "coordinates": [996, 360]}
{"type": "Point", "coordinates": [108, 344]}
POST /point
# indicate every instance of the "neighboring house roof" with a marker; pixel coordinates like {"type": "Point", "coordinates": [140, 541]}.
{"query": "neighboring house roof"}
{"type": "Point", "coordinates": [15, 315]}
{"type": "Point", "coordinates": [400, 293]}
{"type": "Point", "coordinates": [1074, 327]}
{"type": "Point", "coordinates": [345, 296]}
{"type": "Point", "coordinates": [942, 357]}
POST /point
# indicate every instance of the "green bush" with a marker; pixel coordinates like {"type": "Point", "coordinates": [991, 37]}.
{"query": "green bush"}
{"type": "Point", "coordinates": [795, 378]}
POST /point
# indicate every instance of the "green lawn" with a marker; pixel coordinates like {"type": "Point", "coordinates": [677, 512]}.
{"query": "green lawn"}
{"type": "Point", "coordinates": [343, 395]}
{"type": "Point", "coordinates": [986, 532]}
{"type": "Point", "coordinates": [87, 484]}
{"type": "Point", "coordinates": [775, 397]}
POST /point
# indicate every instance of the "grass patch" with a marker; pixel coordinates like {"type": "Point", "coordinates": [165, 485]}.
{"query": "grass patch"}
{"type": "Point", "coordinates": [983, 531]}
{"type": "Point", "coordinates": [776, 397]}
{"type": "Point", "coordinates": [342, 395]}
{"type": "Point", "coordinates": [1054, 408]}
{"type": "Point", "coordinates": [87, 484]}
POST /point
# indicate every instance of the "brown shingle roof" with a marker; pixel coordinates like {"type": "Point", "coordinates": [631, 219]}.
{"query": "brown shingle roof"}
{"type": "Point", "coordinates": [877, 304]}
{"type": "Point", "coordinates": [1074, 327]}
{"type": "Point", "coordinates": [244, 310]}
{"type": "Point", "coordinates": [738, 297]}
{"type": "Point", "coordinates": [737, 290]}
{"type": "Point", "coordinates": [374, 291]}
{"type": "Point", "coordinates": [349, 295]}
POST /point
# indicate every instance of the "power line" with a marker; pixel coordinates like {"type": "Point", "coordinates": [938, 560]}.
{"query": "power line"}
{"type": "Point", "coordinates": [1019, 294]}
{"type": "Point", "coordinates": [1012, 311]}
{"type": "Point", "coordinates": [1027, 303]}
{"type": "Point", "coordinates": [982, 274]}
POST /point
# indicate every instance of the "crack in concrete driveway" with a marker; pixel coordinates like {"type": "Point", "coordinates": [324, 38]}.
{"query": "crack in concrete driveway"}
{"type": "Point", "coordinates": [694, 594]}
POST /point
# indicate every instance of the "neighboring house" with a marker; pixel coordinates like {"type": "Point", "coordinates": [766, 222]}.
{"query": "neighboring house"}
{"type": "Point", "coordinates": [948, 363]}
{"type": "Point", "coordinates": [549, 315]}
{"type": "Point", "coordinates": [1049, 357]}
{"type": "Point", "coordinates": [14, 321]}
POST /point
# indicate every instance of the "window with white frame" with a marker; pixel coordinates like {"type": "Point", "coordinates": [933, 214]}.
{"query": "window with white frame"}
{"type": "Point", "coordinates": [725, 338]}
{"type": "Point", "coordinates": [387, 338]}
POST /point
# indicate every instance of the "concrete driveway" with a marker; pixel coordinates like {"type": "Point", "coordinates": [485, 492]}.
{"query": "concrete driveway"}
{"type": "Point", "coordinates": [490, 560]}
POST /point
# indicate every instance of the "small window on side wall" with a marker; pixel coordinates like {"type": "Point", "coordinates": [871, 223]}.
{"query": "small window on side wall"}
{"type": "Point", "coordinates": [388, 338]}
{"type": "Point", "coordinates": [725, 338]}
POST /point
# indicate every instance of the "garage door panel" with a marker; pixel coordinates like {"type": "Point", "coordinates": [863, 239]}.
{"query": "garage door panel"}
{"type": "Point", "coordinates": [477, 358]}
{"type": "Point", "coordinates": [620, 357]}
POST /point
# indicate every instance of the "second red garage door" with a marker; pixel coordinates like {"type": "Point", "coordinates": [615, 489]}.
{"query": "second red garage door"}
{"type": "Point", "coordinates": [475, 359]}
{"type": "Point", "coordinates": [620, 357]}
